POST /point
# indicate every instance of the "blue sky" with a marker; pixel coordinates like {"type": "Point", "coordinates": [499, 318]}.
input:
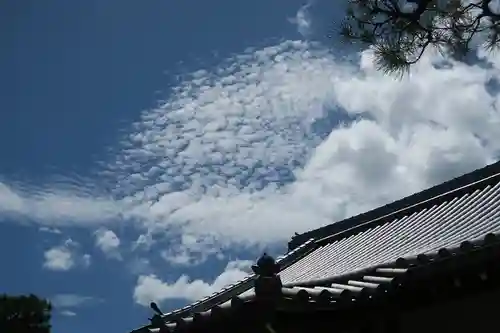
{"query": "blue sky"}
{"type": "Point", "coordinates": [153, 151]}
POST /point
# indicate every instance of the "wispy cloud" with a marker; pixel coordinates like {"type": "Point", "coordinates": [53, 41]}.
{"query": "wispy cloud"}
{"type": "Point", "coordinates": [71, 300]}
{"type": "Point", "coordinates": [50, 230]}
{"type": "Point", "coordinates": [67, 304]}
{"type": "Point", "coordinates": [303, 20]}
{"type": "Point", "coordinates": [65, 257]}
{"type": "Point", "coordinates": [60, 203]}
{"type": "Point", "coordinates": [68, 313]}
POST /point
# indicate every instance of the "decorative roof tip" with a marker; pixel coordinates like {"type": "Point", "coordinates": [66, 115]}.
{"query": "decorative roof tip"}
{"type": "Point", "coordinates": [155, 308]}
{"type": "Point", "coordinates": [266, 266]}
{"type": "Point", "coordinates": [268, 284]}
{"type": "Point", "coordinates": [157, 319]}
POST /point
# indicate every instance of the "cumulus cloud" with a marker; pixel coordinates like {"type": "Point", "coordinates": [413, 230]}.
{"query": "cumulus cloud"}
{"type": "Point", "coordinates": [65, 257]}
{"type": "Point", "coordinates": [58, 259]}
{"type": "Point", "coordinates": [108, 242]}
{"type": "Point", "coordinates": [152, 288]}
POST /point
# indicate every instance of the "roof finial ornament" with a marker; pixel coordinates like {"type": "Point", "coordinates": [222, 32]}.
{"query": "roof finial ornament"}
{"type": "Point", "coordinates": [157, 320]}
{"type": "Point", "coordinates": [268, 283]}
{"type": "Point", "coordinates": [266, 266]}
{"type": "Point", "coordinates": [155, 308]}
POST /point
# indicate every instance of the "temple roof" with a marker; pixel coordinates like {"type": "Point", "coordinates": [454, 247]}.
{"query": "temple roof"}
{"type": "Point", "coordinates": [375, 250]}
{"type": "Point", "coordinates": [463, 214]}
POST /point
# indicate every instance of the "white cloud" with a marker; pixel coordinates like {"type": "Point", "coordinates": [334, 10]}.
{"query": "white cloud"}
{"type": "Point", "coordinates": [70, 300]}
{"type": "Point", "coordinates": [191, 250]}
{"type": "Point", "coordinates": [152, 288]}
{"type": "Point", "coordinates": [303, 20]}
{"type": "Point", "coordinates": [65, 257]}
{"type": "Point", "coordinates": [86, 260]}
{"type": "Point", "coordinates": [211, 161]}
{"type": "Point", "coordinates": [58, 259]}
{"type": "Point", "coordinates": [68, 313]}
{"type": "Point", "coordinates": [67, 303]}
{"type": "Point", "coordinates": [240, 265]}
{"type": "Point", "coordinates": [108, 242]}
{"type": "Point", "coordinates": [225, 134]}
{"type": "Point", "coordinates": [62, 203]}
{"type": "Point", "coordinates": [143, 241]}
{"type": "Point", "coordinates": [50, 230]}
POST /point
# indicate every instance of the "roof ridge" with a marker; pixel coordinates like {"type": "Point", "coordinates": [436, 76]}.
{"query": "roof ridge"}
{"type": "Point", "coordinates": [460, 185]}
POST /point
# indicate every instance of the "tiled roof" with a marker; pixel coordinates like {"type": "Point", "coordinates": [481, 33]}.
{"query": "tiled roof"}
{"type": "Point", "coordinates": [444, 223]}
{"type": "Point", "coordinates": [404, 274]}
{"type": "Point", "coordinates": [410, 276]}
{"type": "Point", "coordinates": [377, 249]}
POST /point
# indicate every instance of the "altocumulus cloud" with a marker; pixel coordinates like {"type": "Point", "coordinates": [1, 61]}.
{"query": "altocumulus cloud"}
{"type": "Point", "coordinates": [279, 140]}
{"type": "Point", "coordinates": [211, 161]}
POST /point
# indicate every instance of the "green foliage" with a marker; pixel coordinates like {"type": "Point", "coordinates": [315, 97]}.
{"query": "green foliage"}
{"type": "Point", "coordinates": [24, 314]}
{"type": "Point", "coordinates": [399, 37]}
